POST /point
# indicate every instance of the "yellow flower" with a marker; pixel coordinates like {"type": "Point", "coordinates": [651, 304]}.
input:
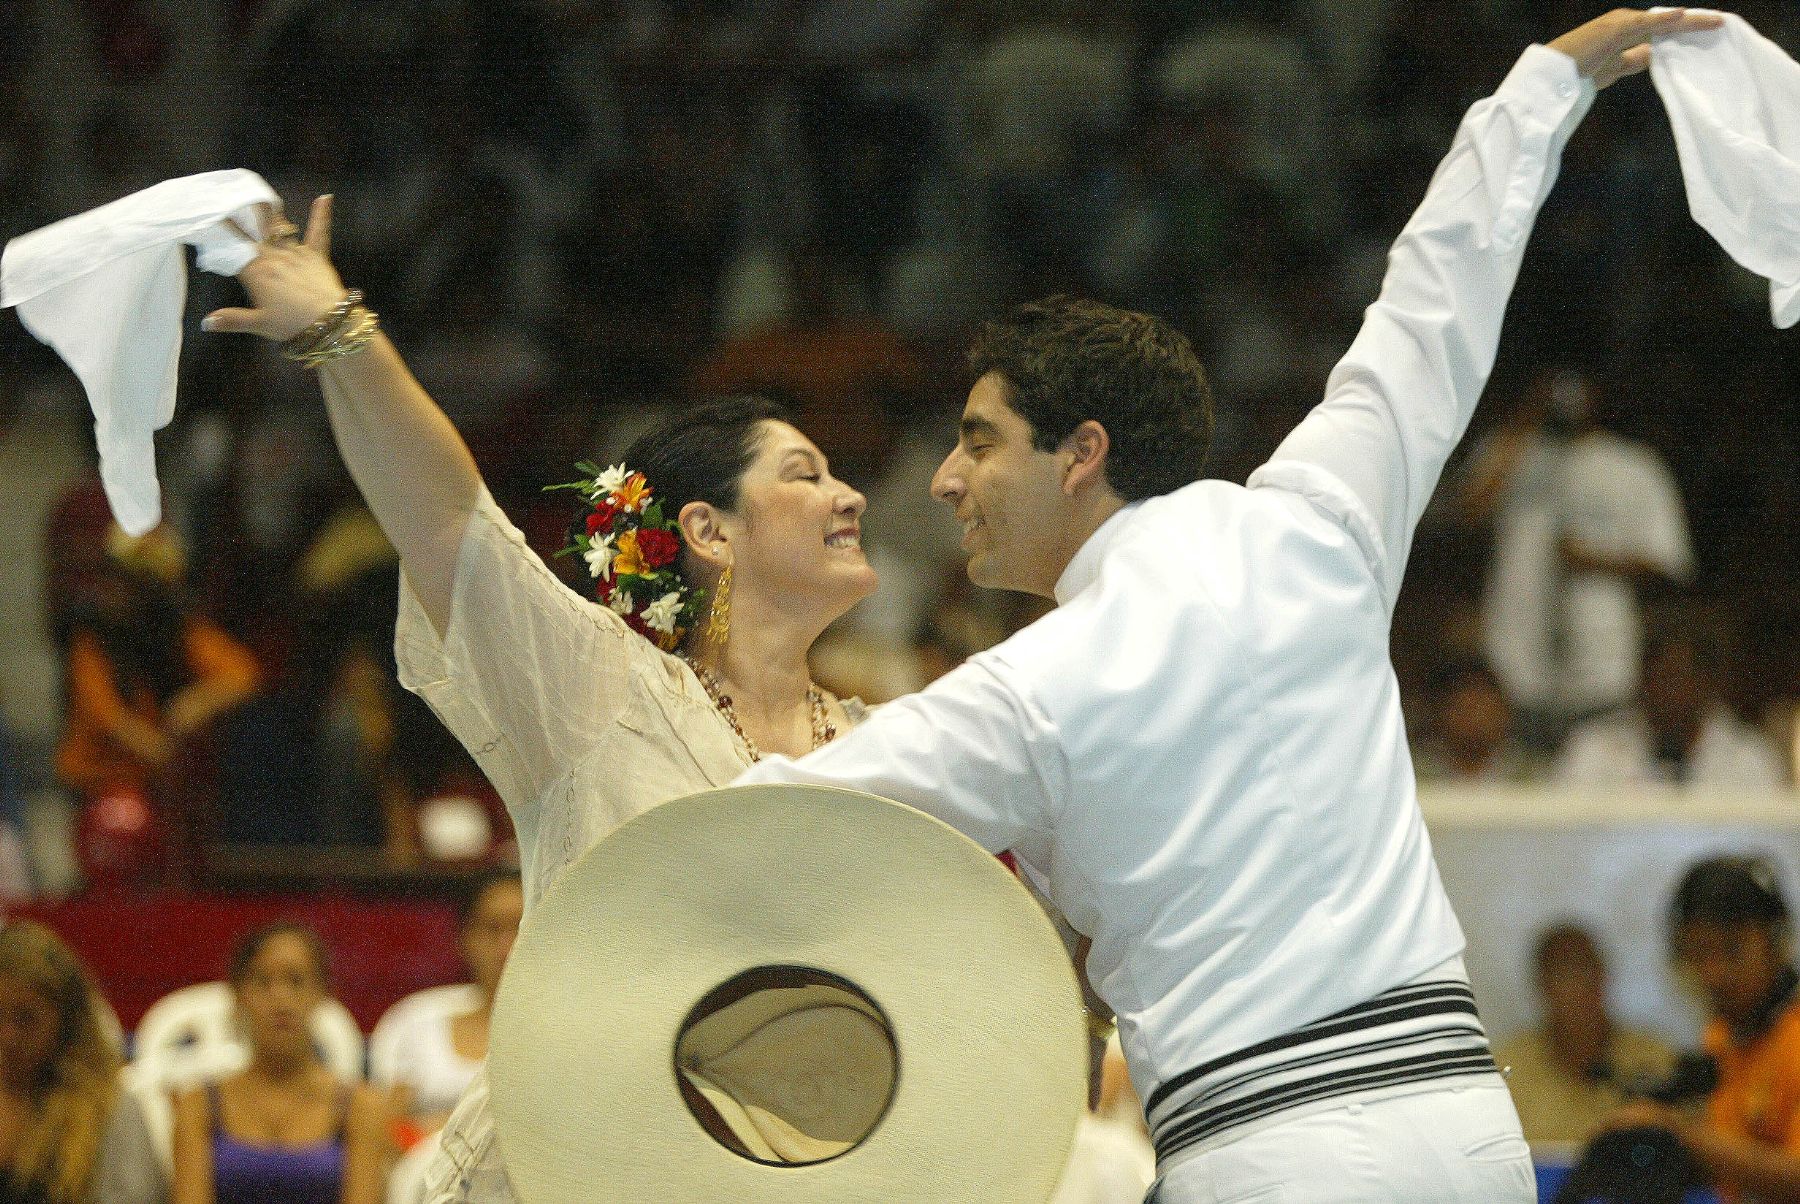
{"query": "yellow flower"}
{"type": "Point", "coordinates": [629, 561]}
{"type": "Point", "coordinates": [633, 492]}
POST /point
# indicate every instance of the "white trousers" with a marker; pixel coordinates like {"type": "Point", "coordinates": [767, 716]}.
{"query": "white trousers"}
{"type": "Point", "coordinates": [1447, 1145]}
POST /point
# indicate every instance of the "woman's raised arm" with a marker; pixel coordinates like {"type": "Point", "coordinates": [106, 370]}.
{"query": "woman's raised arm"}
{"type": "Point", "coordinates": [412, 467]}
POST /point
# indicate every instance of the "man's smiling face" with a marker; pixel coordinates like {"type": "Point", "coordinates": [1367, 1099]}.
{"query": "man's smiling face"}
{"type": "Point", "coordinates": [1007, 494]}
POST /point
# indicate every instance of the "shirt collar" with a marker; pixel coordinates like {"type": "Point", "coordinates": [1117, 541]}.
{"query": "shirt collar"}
{"type": "Point", "coordinates": [1084, 568]}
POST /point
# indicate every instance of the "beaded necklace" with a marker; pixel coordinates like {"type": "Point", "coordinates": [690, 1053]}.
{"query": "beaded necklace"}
{"type": "Point", "coordinates": [824, 731]}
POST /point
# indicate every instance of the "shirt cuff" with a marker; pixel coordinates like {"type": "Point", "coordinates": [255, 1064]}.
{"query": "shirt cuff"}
{"type": "Point", "coordinates": [1548, 82]}
{"type": "Point", "coordinates": [1547, 96]}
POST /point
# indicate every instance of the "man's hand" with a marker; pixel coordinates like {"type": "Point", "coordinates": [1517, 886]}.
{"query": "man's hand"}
{"type": "Point", "coordinates": [1611, 47]}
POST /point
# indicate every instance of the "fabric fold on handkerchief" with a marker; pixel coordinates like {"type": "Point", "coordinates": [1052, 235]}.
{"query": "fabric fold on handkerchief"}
{"type": "Point", "coordinates": [106, 288]}
{"type": "Point", "coordinates": [1733, 99]}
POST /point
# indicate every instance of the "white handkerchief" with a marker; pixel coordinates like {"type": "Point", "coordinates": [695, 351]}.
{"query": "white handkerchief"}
{"type": "Point", "coordinates": [106, 290]}
{"type": "Point", "coordinates": [1733, 99]}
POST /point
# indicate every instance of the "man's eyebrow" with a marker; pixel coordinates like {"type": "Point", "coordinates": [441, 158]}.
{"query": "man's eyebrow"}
{"type": "Point", "coordinates": [972, 427]}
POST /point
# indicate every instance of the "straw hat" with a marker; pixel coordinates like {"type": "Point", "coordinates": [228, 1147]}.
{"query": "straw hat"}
{"type": "Point", "coordinates": [789, 993]}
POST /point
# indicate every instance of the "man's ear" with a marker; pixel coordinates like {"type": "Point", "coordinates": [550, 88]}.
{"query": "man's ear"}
{"type": "Point", "coordinates": [1084, 458]}
{"type": "Point", "coordinates": [704, 533]}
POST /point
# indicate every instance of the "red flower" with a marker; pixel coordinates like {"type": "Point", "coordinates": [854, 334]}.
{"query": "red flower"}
{"type": "Point", "coordinates": [642, 628]}
{"type": "Point", "coordinates": [601, 520]}
{"type": "Point", "coordinates": [657, 546]}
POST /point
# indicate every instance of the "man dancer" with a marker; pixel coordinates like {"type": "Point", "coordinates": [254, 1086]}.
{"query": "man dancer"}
{"type": "Point", "coordinates": [1200, 754]}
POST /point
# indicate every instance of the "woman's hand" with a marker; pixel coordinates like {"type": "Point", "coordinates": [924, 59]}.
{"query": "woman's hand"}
{"type": "Point", "coordinates": [1611, 47]}
{"type": "Point", "coordinates": [291, 283]}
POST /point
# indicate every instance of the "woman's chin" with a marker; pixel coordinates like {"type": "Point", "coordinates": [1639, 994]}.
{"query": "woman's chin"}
{"type": "Point", "coordinates": [844, 589]}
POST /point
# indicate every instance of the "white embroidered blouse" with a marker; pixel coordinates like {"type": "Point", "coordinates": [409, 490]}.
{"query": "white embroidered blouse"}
{"type": "Point", "coordinates": [580, 724]}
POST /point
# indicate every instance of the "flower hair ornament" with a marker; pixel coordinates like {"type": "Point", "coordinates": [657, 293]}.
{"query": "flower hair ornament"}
{"type": "Point", "coordinates": [630, 549]}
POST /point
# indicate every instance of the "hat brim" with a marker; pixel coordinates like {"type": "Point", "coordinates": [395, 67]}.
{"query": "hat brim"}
{"type": "Point", "coordinates": [983, 1005]}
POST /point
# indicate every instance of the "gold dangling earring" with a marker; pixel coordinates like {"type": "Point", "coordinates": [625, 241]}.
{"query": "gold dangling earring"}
{"type": "Point", "coordinates": [718, 615]}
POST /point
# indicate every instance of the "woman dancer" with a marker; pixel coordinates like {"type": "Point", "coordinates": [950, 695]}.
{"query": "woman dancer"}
{"type": "Point", "coordinates": [721, 550]}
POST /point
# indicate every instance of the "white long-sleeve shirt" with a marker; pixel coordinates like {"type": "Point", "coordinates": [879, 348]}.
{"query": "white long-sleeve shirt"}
{"type": "Point", "coordinates": [1200, 753]}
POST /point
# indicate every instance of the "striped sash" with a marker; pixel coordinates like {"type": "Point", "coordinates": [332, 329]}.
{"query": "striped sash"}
{"type": "Point", "coordinates": [1413, 1033]}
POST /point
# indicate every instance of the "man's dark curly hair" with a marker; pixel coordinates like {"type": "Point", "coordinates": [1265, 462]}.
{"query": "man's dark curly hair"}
{"type": "Point", "coordinates": [1065, 360]}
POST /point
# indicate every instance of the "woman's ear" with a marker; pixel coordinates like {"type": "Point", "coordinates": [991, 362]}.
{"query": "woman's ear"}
{"type": "Point", "coordinates": [703, 530]}
{"type": "Point", "coordinates": [1084, 457]}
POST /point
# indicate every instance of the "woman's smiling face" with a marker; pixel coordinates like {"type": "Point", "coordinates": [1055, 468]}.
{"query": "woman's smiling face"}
{"type": "Point", "coordinates": [797, 529]}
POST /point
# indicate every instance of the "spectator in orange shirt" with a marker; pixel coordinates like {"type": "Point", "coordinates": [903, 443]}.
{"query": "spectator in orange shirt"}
{"type": "Point", "coordinates": [145, 677]}
{"type": "Point", "coordinates": [1729, 931]}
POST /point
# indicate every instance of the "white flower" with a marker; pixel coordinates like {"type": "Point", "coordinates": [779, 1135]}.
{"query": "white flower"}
{"type": "Point", "coordinates": [599, 556]}
{"type": "Point", "coordinates": [610, 481]}
{"type": "Point", "coordinates": [620, 602]}
{"type": "Point", "coordinates": [660, 615]}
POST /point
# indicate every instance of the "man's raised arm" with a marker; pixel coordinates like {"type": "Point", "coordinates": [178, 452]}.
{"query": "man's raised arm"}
{"type": "Point", "coordinates": [1400, 399]}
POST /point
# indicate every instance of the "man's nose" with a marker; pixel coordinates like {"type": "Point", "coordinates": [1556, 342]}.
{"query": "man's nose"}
{"type": "Point", "coordinates": [946, 482]}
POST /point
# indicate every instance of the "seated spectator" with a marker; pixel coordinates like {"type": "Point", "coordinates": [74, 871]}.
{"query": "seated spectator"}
{"type": "Point", "coordinates": [1471, 733]}
{"type": "Point", "coordinates": [146, 675]}
{"type": "Point", "coordinates": [1568, 1074]}
{"type": "Point", "coordinates": [285, 1127]}
{"type": "Point", "coordinates": [1680, 733]}
{"type": "Point", "coordinates": [428, 1063]}
{"type": "Point", "coordinates": [1729, 930]}
{"type": "Point", "coordinates": [68, 1132]}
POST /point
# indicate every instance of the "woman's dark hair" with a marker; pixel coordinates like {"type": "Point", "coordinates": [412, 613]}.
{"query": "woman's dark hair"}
{"type": "Point", "coordinates": [1065, 360]}
{"type": "Point", "coordinates": [252, 944]}
{"type": "Point", "coordinates": [472, 892]}
{"type": "Point", "coordinates": [700, 455]}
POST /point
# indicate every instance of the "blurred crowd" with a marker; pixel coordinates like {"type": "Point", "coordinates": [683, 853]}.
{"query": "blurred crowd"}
{"type": "Point", "coordinates": [260, 1085]}
{"type": "Point", "coordinates": [574, 214]}
{"type": "Point", "coordinates": [1622, 1111]}
{"type": "Point", "coordinates": [257, 1086]}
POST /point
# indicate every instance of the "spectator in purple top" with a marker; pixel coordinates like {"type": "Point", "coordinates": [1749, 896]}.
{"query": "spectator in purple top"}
{"type": "Point", "coordinates": [285, 1127]}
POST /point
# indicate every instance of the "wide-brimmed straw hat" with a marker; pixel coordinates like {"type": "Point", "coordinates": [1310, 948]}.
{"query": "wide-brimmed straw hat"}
{"type": "Point", "coordinates": [787, 993]}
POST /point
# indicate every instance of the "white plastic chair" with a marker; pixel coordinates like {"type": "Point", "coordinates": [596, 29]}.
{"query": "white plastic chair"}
{"type": "Point", "coordinates": [158, 1109]}
{"type": "Point", "coordinates": [192, 1036]}
{"type": "Point", "coordinates": [400, 1020]}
